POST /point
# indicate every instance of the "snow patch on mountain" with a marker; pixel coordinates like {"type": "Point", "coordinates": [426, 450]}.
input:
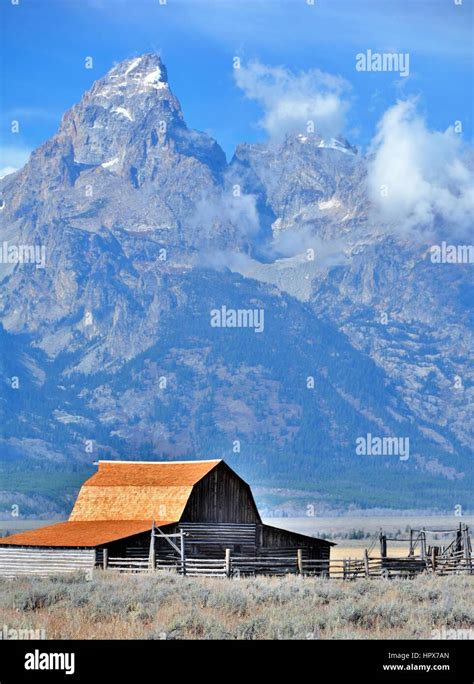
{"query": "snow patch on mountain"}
{"type": "Point", "coordinates": [334, 144]}
{"type": "Point", "coordinates": [124, 112]}
{"type": "Point", "coordinates": [333, 203]}
{"type": "Point", "coordinates": [133, 64]}
{"type": "Point", "coordinates": [112, 162]}
{"type": "Point", "coordinates": [154, 79]}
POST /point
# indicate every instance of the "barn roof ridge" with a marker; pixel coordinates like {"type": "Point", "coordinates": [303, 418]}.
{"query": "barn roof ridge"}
{"type": "Point", "coordinates": [197, 460]}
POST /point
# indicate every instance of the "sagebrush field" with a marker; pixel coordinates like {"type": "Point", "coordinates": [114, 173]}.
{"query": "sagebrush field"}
{"type": "Point", "coordinates": [165, 606]}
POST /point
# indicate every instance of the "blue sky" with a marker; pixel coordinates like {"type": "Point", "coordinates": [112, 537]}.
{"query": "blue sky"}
{"type": "Point", "coordinates": [44, 44]}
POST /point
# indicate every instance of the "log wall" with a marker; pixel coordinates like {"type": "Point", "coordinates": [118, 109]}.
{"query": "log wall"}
{"type": "Point", "coordinates": [18, 561]}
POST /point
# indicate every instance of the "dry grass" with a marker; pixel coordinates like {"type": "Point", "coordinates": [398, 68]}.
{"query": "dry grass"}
{"type": "Point", "coordinates": [167, 606]}
{"type": "Point", "coordinates": [352, 548]}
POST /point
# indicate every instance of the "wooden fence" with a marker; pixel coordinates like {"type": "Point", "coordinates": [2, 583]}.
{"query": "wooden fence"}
{"type": "Point", "coordinates": [344, 568]}
{"type": "Point", "coordinates": [44, 562]}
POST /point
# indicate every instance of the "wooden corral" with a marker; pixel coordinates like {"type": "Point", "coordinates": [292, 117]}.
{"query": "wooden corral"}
{"type": "Point", "coordinates": [454, 556]}
{"type": "Point", "coordinates": [192, 516]}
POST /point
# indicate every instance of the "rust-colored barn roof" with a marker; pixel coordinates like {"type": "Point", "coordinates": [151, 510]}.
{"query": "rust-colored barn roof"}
{"type": "Point", "coordinates": [150, 473]}
{"type": "Point", "coordinates": [74, 534]}
{"type": "Point", "coordinates": [130, 490]}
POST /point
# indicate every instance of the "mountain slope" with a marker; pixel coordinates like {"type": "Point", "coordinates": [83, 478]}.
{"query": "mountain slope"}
{"type": "Point", "coordinates": [145, 237]}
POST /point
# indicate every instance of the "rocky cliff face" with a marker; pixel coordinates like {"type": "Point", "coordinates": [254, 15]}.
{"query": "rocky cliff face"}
{"type": "Point", "coordinates": [147, 229]}
{"type": "Point", "coordinates": [412, 317]}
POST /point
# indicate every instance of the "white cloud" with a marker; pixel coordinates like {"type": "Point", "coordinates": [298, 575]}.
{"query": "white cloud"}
{"type": "Point", "coordinates": [290, 101]}
{"type": "Point", "coordinates": [296, 241]}
{"type": "Point", "coordinates": [12, 159]}
{"type": "Point", "coordinates": [223, 208]}
{"type": "Point", "coordinates": [6, 171]}
{"type": "Point", "coordinates": [417, 176]}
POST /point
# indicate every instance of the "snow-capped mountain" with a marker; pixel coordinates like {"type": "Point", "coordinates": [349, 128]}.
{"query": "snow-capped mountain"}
{"type": "Point", "coordinates": [147, 230]}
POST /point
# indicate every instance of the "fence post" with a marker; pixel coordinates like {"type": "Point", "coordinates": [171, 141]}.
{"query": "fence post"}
{"type": "Point", "coordinates": [182, 552]}
{"type": "Point", "coordinates": [366, 562]}
{"type": "Point", "coordinates": [423, 544]}
{"type": "Point", "coordinates": [227, 562]}
{"type": "Point", "coordinates": [152, 553]}
{"type": "Point", "coordinates": [299, 561]}
{"type": "Point", "coordinates": [383, 545]}
{"type": "Point", "coordinates": [469, 550]}
{"type": "Point", "coordinates": [465, 544]}
{"type": "Point", "coordinates": [105, 558]}
{"type": "Point", "coordinates": [433, 558]}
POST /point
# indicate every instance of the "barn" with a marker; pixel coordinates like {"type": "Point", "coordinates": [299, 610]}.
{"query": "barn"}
{"type": "Point", "coordinates": [186, 515]}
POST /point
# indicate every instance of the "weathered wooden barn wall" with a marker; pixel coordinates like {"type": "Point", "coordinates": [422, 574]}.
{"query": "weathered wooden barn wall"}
{"type": "Point", "coordinates": [221, 496]}
{"type": "Point", "coordinates": [210, 540]}
{"type": "Point", "coordinates": [21, 560]}
{"type": "Point", "coordinates": [134, 546]}
{"type": "Point", "coordinates": [273, 540]}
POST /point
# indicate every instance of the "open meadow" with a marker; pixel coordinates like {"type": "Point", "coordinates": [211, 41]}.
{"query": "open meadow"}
{"type": "Point", "coordinates": [167, 606]}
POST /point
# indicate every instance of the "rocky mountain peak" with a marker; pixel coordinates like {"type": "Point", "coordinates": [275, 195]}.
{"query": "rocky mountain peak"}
{"type": "Point", "coordinates": [137, 76]}
{"type": "Point", "coordinates": [132, 102]}
{"type": "Point", "coordinates": [128, 126]}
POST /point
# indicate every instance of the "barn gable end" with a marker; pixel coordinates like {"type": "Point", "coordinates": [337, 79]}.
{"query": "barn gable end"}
{"type": "Point", "coordinates": [221, 496]}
